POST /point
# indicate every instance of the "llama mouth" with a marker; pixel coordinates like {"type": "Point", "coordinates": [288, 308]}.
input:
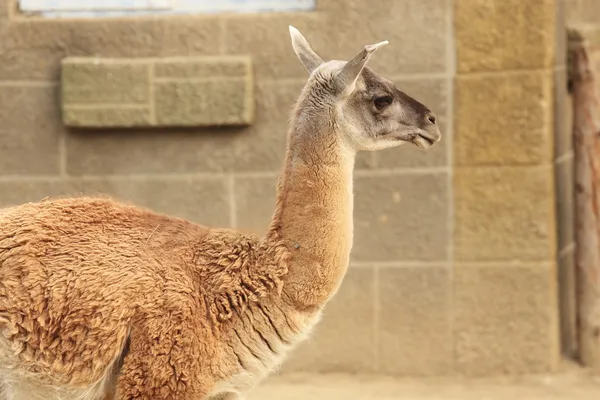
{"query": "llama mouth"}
{"type": "Point", "coordinates": [422, 141]}
{"type": "Point", "coordinates": [429, 140]}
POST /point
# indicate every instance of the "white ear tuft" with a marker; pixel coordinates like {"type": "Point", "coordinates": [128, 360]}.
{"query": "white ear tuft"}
{"type": "Point", "coordinates": [294, 32]}
{"type": "Point", "coordinates": [373, 47]}
{"type": "Point", "coordinates": [307, 56]}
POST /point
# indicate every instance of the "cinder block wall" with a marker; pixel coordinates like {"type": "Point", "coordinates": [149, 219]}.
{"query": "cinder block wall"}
{"type": "Point", "coordinates": [453, 269]}
{"type": "Point", "coordinates": [504, 275]}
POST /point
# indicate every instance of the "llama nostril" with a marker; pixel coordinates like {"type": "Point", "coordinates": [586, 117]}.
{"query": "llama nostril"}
{"type": "Point", "coordinates": [431, 118]}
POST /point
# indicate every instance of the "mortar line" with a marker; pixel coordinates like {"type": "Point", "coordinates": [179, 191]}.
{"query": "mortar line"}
{"type": "Point", "coordinates": [62, 154]}
{"type": "Point", "coordinates": [539, 166]}
{"type": "Point", "coordinates": [360, 265]}
{"type": "Point", "coordinates": [30, 178]}
{"type": "Point", "coordinates": [282, 81]}
{"type": "Point", "coordinates": [373, 159]}
{"type": "Point", "coordinates": [451, 65]}
{"type": "Point", "coordinates": [113, 61]}
{"type": "Point", "coordinates": [402, 264]}
{"type": "Point", "coordinates": [258, 174]}
{"type": "Point", "coordinates": [125, 177]}
{"type": "Point", "coordinates": [12, 9]}
{"type": "Point", "coordinates": [420, 76]}
{"type": "Point", "coordinates": [482, 74]}
{"type": "Point", "coordinates": [232, 201]}
{"type": "Point", "coordinates": [151, 92]}
{"type": "Point", "coordinates": [401, 171]}
{"type": "Point", "coordinates": [217, 175]}
{"type": "Point", "coordinates": [505, 264]}
{"type": "Point", "coordinates": [137, 176]}
{"type": "Point", "coordinates": [404, 77]}
{"type": "Point", "coordinates": [222, 37]}
{"type": "Point", "coordinates": [170, 79]}
{"type": "Point", "coordinates": [128, 106]}
{"type": "Point", "coordinates": [376, 321]}
{"type": "Point", "coordinates": [27, 83]}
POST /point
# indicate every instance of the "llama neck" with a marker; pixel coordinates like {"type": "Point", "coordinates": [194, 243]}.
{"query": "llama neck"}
{"type": "Point", "coordinates": [314, 216]}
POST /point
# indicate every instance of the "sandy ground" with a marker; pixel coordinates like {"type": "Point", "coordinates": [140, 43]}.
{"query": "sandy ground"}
{"type": "Point", "coordinates": [564, 386]}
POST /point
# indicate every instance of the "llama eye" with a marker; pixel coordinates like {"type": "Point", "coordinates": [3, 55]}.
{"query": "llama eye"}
{"type": "Point", "coordinates": [383, 101]}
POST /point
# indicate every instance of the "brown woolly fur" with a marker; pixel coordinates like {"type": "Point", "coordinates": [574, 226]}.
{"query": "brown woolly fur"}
{"type": "Point", "coordinates": [100, 299]}
{"type": "Point", "coordinates": [80, 275]}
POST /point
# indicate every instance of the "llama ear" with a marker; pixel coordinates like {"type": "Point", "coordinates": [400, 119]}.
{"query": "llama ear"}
{"type": "Point", "coordinates": [305, 53]}
{"type": "Point", "coordinates": [349, 73]}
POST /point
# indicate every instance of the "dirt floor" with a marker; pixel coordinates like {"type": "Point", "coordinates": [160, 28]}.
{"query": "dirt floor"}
{"type": "Point", "coordinates": [568, 385]}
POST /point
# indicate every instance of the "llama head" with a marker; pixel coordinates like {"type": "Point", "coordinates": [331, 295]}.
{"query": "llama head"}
{"type": "Point", "coordinates": [363, 106]}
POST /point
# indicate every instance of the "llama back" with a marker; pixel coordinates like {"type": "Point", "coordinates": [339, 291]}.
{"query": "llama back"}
{"type": "Point", "coordinates": [80, 277]}
{"type": "Point", "coordinates": [73, 272]}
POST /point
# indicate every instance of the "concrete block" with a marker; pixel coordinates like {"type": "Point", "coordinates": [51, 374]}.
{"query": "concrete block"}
{"type": "Point", "coordinates": [201, 200]}
{"type": "Point", "coordinates": [415, 321]}
{"type": "Point", "coordinates": [28, 33]}
{"type": "Point", "coordinates": [190, 35]}
{"type": "Point", "coordinates": [37, 45]}
{"type": "Point", "coordinates": [254, 202]}
{"type": "Point", "coordinates": [401, 217]}
{"type": "Point", "coordinates": [206, 102]}
{"type": "Point", "coordinates": [131, 116]}
{"type": "Point", "coordinates": [504, 213]}
{"type": "Point", "coordinates": [258, 147]}
{"type": "Point", "coordinates": [266, 38]}
{"type": "Point", "coordinates": [4, 8]}
{"type": "Point", "coordinates": [503, 119]}
{"type": "Point", "coordinates": [157, 92]}
{"type": "Point", "coordinates": [560, 33]}
{"type": "Point", "coordinates": [344, 341]}
{"type": "Point", "coordinates": [159, 36]}
{"type": "Point", "coordinates": [181, 67]}
{"type": "Point", "coordinates": [30, 130]}
{"type": "Point", "coordinates": [33, 49]}
{"type": "Point", "coordinates": [582, 11]}
{"type": "Point", "coordinates": [365, 160]}
{"type": "Point", "coordinates": [504, 35]}
{"type": "Point", "coordinates": [262, 147]}
{"type": "Point", "coordinates": [88, 81]}
{"type": "Point", "coordinates": [116, 37]}
{"type": "Point", "coordinates": [41, 64]}
{"type": "Point", "coordinates": [417, 31]}
{"type": "Point", "coordinates": [148, 151]}
{"type": "Point", "coordinates": [505, 320]}
{"type": "Point", "coordinates": [14, 193]}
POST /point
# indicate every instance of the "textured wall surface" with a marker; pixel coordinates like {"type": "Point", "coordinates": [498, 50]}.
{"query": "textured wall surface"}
{"type": "Point", "coordinates": [168, 92]}
{"type": "Point", "coordinates": [453, 267]}
{"type": "Point", "coordinates": [505, 301]}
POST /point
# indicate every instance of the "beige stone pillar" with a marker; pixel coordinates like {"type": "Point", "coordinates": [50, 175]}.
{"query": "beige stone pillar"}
{"type": "Point", "coordinates": [505, 308]}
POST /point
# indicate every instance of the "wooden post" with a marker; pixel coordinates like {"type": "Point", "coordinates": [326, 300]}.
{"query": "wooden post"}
{"type": "Point", "coordinates": [586, 143]}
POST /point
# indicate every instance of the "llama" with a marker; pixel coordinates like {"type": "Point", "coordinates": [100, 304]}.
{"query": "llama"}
{"type": "Point", "coordinates": [100, 299]}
